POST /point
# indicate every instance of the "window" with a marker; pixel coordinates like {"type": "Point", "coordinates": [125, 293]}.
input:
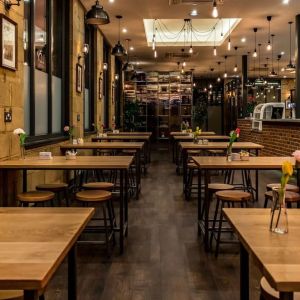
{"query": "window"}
{"type": "Point", "coordinates": [45, 59]}
{"type": "Point", "coordinates": [89, 92]}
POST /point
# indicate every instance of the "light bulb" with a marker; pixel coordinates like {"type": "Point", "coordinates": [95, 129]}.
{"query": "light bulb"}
{"type": "Point", "coordinates": [215, 12]}
{"type": "Point", "coordinates": [285, 2]}
{"type": "Point", "coordinates": [205, 89]}
{"type": "Point", "coordinates": [229, 45]}
{"type": "Point", "coordinates": [215, 51]}
{"type": "Point", "coordinates": [155, 54]}
{"type": "Point", "coordinates": [254, 54]}
{"type": "Point", "coordinates": [153, 44]}
{"type": "Point", "coordinates": [184, 64]}
{"type": "Point", "coordinates": [235, 69]}
{"type": "Point", "coordinates": [219, 79]}
{"type": "Point", "coordinates": [225, 75]}
{"type": "Point", "coordinates": [191, 49]}
{"type": "Point", "coordinates": [282, 69]}
{"type": "Point", "coordinates": [210, 86]}
{"type": "Point", "coordinates": [269, 47]}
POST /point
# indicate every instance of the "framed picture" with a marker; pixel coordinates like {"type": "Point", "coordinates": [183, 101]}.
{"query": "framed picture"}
{"type": "Point", "coordinates": [8, 43]}
{"type": "Point", "coordinates": [78, 78]}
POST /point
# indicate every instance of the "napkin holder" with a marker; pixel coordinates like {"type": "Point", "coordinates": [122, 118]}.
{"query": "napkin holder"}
{"type": "Point", "coordinates": [45, 155]}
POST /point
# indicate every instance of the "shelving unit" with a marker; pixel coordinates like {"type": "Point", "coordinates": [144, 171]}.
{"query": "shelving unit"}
{"type": "Point", "coordinates": [162, 100]}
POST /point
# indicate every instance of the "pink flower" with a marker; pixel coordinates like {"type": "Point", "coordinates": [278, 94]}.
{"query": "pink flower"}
{"type": "Point", "coordinates": [296, 154]}
{"type": "Point", "coordinates": [66, 128]}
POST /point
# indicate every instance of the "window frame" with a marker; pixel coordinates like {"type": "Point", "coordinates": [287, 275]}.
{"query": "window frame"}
{"type": "Point", "coordinates": [50, 138]}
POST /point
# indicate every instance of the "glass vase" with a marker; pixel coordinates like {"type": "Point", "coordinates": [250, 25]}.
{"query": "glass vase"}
{"type": "Point", "coordinates": [229, 154]}
{"type": "Point", "coordinates": [279, 217]}
{"type": "Point", "coordinates": [22, 151]}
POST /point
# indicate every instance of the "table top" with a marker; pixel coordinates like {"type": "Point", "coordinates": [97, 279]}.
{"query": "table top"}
{"type": "Point", "coordinates": [61, 163]}
{"type": "Point", "coordinates": [35, 241]}
{"type": "Point", "coordinates": [277, 256]}
{"type": "Point", "coordinates": [122, 138]}
{"type": "Point", "coordinates": [182, 133]}
{"type": "Point", "coordinates": [135, 133]}
{"type": "Point", "coordinates": [255, 162]}
{"type": "Point", "coordinates": [206, 137]}
{"type": "Point", "coordinates": [105, 145]}
{"type": "Point", "coordinates": [220, 145]}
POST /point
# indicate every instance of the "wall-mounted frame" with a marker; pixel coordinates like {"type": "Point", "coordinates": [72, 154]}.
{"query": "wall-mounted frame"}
{"type": "Point", "coordinates": [79, 78]}
{"type": "Point", "coordinates": [8, 43]}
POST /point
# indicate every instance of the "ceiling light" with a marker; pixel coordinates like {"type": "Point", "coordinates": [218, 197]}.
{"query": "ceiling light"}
{"type": "Point", "coordinates": [282, 69]}
{"type": "Point", "coordinates": [243, 40]}
{"type": "Point", "coordinates": [290, 66]}
{"type": "Point", "coordinates": [155, 54]}
{"type": "Point", "coordinates": [131, 48]}
{"type": "Point", "coordinates": [225, 75]}
{"type": "Point", "coordinates": [194, 13]}
{"type": "Point", "coordinates": [219, 79]}
{"type": "Point", "coordinates": [210, 86]}
{"type": "Point", "coordinates": [255, 51]}
{"type": "Point", "coordinates": [269, 46]}
{"type": "Point", "coordinates": [235, 69]}
{"type": "Point", "coordinates": [285, 2]}
{"type": "Point", "coordinates": [97, 15]}
{"type": "Point", "coordinates": [111, 1]}
{"type": "Point", "coordinates": [282, 52]}
{"type": "Point", "coordinates": [118, 49]}
{"type": "Point", "coordinates": [124, 30]}
{"type": "Point", "coordinates": [229, 39]}
{"type": "Point", "coordinates": [191, 49]}
{"type": "Point", "coordinates": [215, 12]}
{"type": "Point", "coordinates": [215, 51]}
{"type": "Point", "coordinates": [184, 64]}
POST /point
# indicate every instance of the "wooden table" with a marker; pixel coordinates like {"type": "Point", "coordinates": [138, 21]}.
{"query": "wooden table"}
{"type": "Point", "coordinates": [186, 146]}
{"type": "Point", "coordinates": [186, 133]}
{"type": "Point", "coordinates": [137, 147]}
{"type": "Point", "coordinates": [33, 244]}
{"type": "Point", "coordinates": [277, 256]}
{"type": "Point", "coordinates": [129, 138]}
{"type": "Point", "coordinates": [210, 163]}
{"type": "Point", "coordinates": [135, 133]}
{"type": "Point", "coordinates": [119, 163]}
{"type": "Point", "coordinates": [181, 138]}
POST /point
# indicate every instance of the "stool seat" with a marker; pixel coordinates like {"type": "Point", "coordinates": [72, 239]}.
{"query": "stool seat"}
{"type": "Point", "coordinates": [269, 293]}
{"type": "Point", "coordinates": [233, 196]}
{"type": "Point", "coordinates": [36, 196]}
{"type": "Point", "coordinates": [220, 187]}
{"type": "Point", "coordinates": [11, 295]}
{"type": "Point", "coordinates": [288, 187]}
{"type": "Point", "coordinates": [289, 196]}
{"type": "Point", "coordinates": [98, 186]}
{"type": "Point", "coordinates": [53, 187]}
{"type": "Point", "coordinates": [93, 196]}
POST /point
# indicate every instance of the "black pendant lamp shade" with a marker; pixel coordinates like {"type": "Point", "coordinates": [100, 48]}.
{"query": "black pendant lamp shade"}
{"type": "Point", "coordinates": [97, 15]}
{"type": "Point", "coordinates": [118, 49]}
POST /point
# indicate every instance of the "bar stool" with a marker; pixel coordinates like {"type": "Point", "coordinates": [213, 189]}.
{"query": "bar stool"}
{"type": "Point", "coordinates": [288, 187]}
{"type": "Point", "coordinates": [231, 198]}
{"type": "Point", "coordinates": [35, 197]}
{"type": "Point", "coordinates": [190, 186]}
{"type": "Point", "coordinates": [14, 295]}
{"type": "Point", "coordinates": [103, 198]}
{"type": "Point", "coordinates": [268, 293]}
{"type": "Point", "coordinates": [57, 189]}
{"type": "Point", "coordinates": [290, 198]}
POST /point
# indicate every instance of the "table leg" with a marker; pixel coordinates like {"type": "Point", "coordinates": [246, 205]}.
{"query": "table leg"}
{"type": "Point", "coordinates": [121, 211]}
{"type": "Point", "coordinates": [206, 215]}
{"type": "Point", "coordinates": [126, 202]}
{"type": "Point", "coordinates": [244, 273]}
{"type": "Point", "coordinates": [31, 295]}
{"type": "Point", "coordinates": [138, 173]}
{"type": "Point", "coordinates": [72, 273]}
{"type": "Point", "coordinates": [286, 296]}
{"type": "Point", "coordinates": [199, 201]}
{"type": "Point", "coordinates": [24, 181]}
{"type": "Point", "coordinates": [184, 167]}
{"type": "Point", "coordinates": [256, 179]}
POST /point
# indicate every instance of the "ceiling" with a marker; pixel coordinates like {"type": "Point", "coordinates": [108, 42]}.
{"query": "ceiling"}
{"type": "Point", "coordinates": [252, 14]}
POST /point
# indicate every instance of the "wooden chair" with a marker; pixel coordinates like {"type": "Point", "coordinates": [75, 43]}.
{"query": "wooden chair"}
{"type": "Point", "coordinates": [268, 293]}
{"type": "Point", "coordinates": [35, 197]}
{"type": "Point", "coordinates": [231, 198]}
{"type": "Point", "coordinates": [92, 197]}
{"type": "Point", "coordinates": [56, 188]}
{"type": "Point", "coordinates": [290, 198]}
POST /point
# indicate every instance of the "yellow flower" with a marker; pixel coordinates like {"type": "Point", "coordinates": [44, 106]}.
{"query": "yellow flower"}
{"type": "Point", "coordinates": [287, 168]}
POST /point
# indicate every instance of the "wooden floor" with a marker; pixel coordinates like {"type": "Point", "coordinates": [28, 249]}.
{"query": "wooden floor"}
{"type": "Point", "coordinates": [164, 258]}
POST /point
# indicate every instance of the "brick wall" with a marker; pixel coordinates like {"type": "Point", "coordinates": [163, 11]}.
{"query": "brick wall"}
{"type": "Point", "coordinates": [279, 139]}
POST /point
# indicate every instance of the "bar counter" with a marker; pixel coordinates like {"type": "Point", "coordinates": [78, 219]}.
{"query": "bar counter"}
{"type": "Point", "coordinates": [279, 137]}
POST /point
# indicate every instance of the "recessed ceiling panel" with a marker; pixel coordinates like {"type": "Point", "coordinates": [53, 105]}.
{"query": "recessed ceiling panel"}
{"type": "Point", "coordinates": [199, 32]}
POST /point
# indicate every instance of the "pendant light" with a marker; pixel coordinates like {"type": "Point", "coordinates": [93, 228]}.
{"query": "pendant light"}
{"type": "Point", "coordinates": [269, 46]}
{"type": "Point", "coordinates": [259, 52]}
{"type": "Point", "coordinates": [128, 67]}
{"type": "Point", "coordinates": [290, 67]}
{"type": "Point", "coordinates": [97, 15]}
{"type": "Point", "coordinates": [235, 69]}
{"type": "Point", "coordinates": [229, 39]}
{"type": "Point", "coordinates": [225, 73]}
{"type": "Point", "coordinates": [215, 48]}
{"type": "Point", "coordinates": [219, 78]}
{"type": "Point", "coordinates": [118, 49]}
{"type": "Point", "coordinates": [191, 31]}
{"type": "Point", "coordinates": [273, 73]}
{"type": "Point", "coordinates": [215, 12]}
{"type": "Point", "coordinates": [255, 51]}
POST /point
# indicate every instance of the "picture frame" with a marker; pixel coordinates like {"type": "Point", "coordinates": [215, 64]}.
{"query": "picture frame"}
{"type": "Point", "coordinates": [78, 78]}
{"type": "Point", "coordinates": [8, 43]}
